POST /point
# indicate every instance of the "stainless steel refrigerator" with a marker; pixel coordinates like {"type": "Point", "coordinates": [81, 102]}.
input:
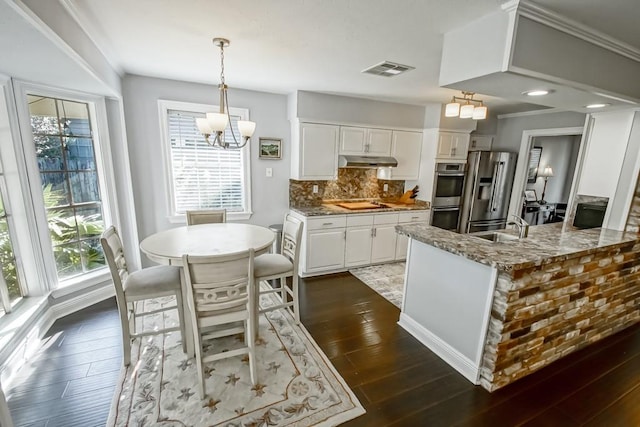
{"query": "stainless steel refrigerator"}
{"type": "Point", "coordinates": [488, 183]}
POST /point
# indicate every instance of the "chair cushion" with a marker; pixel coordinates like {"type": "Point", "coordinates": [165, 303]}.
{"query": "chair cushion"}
{"type": "Point", "coordinates": [152, 280]}
{"type": "Point", "coordinates": [271, 264]}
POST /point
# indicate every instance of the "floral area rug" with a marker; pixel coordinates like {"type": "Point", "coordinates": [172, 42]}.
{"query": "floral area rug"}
{"type": "Point", "coordinates": [297, 385]}
{"type": "Point", "coordinates": [385, 279]}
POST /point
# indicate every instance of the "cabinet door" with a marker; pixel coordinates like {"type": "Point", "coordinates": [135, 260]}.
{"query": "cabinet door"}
{"type": "Point", "coordinates": [480, 143]}
{"type": "Point", "coordinates": [353, 140]}
{"type": "Point", "coordinates": [406, 148]}
{"type": "Point", "coordinates": [402, 242]}
{"type": "Point", "coordinates": [318, 151]}
{"type": "Point", "coordinates": [459, 146]}
{"type": "Point", "coordinates": [378, 142]}
{"type": "Point", "coordinates": [358, 246]}
{"type": "Point", "coordinates": [325, 249]}
{"type": "Point", "coordinates": [384, 243]}
{"type": "Point", "coordinates": [445, 145]}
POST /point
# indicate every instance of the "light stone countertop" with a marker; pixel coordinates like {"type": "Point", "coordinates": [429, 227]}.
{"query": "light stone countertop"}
{"type": "Point", "coordinates": [332, 209]}
{"type": "Point", "coordinates": [545, 243]}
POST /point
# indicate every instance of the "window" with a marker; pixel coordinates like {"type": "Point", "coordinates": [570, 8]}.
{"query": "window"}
{"type": "Point", "coordinates": [10, 283]}
{"type": "Point", "coordinates": [202, 176]}
{"type": "Point", "coordinates": [65, 152]}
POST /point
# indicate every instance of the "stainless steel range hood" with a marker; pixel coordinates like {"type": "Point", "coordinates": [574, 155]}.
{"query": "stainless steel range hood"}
{"type": "Point", "coordinates": [366, 162]}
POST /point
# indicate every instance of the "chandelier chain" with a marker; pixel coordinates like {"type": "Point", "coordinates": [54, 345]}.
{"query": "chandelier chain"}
{"type": "Point", "coordinates": [222, 64]}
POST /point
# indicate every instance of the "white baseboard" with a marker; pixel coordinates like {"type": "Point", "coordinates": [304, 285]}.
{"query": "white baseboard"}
{"type": "Point", "coordinates": [453, 357]}
{"type": "Point", "coordinates": [81, 301]}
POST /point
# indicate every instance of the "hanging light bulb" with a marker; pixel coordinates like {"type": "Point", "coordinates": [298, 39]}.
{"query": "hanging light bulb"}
{"type": "Point", "coordinates": [452, 109]}
{"type": "Point", "coordinates": [216, 123]}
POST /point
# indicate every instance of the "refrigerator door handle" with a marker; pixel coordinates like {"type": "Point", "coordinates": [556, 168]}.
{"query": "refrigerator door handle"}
{"type": "Point", "coordinates": [498, 181]}
{"type": "Point", "coordinates": [493, 187]}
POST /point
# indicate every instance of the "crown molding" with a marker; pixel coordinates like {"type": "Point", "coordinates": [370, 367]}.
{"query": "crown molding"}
{"type": "Point", "coordinates": [534, 113]}
{"type": "Point", "coordinates": [574, 28]}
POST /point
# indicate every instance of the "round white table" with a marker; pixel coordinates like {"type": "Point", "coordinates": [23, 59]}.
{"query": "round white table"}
{"type": "Point", "coordinates": [167, 247]}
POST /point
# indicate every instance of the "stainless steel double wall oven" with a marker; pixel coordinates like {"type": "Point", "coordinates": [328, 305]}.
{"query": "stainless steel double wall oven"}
{"type": "Point", "coordinates": [447, 195]}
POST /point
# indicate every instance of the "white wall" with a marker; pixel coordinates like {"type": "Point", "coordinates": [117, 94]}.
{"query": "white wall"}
{"type": "Point", "coordinates": [510, 129]}
{"type": "Point", "coordinates": [270, 196]}
{"type": "Point", "coordinates": [606, 147]}
{"type": "Point", "coordinates": [345, 109]}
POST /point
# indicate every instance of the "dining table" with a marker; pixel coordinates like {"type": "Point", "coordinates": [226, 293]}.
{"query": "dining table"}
{"type": "Point", "coordinates": [219, 239]}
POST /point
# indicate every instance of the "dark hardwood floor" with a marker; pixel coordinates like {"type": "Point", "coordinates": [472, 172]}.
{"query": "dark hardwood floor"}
{"type": "Point", "coordinates": [399, 381]}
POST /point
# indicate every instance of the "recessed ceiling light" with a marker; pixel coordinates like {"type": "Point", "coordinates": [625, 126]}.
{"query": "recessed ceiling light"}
{"type": "Point", "coordinates": [597, 105]}
{"type": "Point", "coordinates": [537, 92]}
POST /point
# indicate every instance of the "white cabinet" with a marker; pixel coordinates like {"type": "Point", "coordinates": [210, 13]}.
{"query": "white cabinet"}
{"type": "Point", "coordinates": [359, 234]}
{"type": "Point", "coordinates": [315, 152]}
{"type": "Point", "coordinates": [452, 146]}
{"type": "Point", "coordinates": [365, 141]}
{"type": "Point", "coordinates": [332, 243]}
{"type": "Point", "coordinates": [402, 241]}
{"type": "Point", "coordinates": [325, 249]}
{"type": "Point", "coordinates": [383, 246]}
{"type": "Point", "coordinates": [481, 143]}
{"type": "Point", "coordinates": [323, 243]}
{"type": "Point", "coordinates": [406, 147]}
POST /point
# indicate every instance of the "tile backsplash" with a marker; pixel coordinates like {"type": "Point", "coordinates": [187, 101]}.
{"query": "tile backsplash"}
{"type": "Point", "coordinates": [352, 183]}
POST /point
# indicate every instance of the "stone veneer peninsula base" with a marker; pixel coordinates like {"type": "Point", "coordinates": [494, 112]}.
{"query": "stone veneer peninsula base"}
{"type": "Point", "coordinates": [499, 311]}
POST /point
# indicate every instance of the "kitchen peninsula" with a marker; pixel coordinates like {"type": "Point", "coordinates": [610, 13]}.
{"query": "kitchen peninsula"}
{"type": "Point", "coordinates": [497, 311]}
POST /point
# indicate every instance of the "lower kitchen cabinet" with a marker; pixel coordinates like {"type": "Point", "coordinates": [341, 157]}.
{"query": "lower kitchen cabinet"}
{"type": "Point", "coordinates": [358, 237]}
{"type": "Point", "coordinates": [402, 241]}
{"type": "Point", "coordinates": [383, 246]}
{"type": "Point", "coordinates": [326, 249]}
{"type": "Point", "coordinates": [334, 243]}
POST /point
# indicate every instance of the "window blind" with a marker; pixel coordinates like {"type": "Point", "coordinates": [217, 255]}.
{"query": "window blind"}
{"type": "Point", "coordinates": [204, 176]}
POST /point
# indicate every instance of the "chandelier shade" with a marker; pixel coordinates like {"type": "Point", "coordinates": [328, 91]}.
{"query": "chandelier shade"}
{"type": "Point", "coordinates": [214, 125]}
{"type": "Point", "coordinates": [467, 110]}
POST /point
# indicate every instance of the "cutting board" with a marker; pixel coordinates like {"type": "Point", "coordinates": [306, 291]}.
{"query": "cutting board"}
{"type": "Point", "coordinates": [358, 205]}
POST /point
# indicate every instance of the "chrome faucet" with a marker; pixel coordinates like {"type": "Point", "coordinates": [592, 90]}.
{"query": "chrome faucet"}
{"type": "Point", "coordinates": [521, 224]}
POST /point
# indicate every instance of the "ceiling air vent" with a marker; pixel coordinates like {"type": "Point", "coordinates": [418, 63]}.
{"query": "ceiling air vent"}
{"type": "Point", "coordinates": [388, 69]}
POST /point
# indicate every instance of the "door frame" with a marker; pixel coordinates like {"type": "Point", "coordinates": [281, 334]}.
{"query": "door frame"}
{"type": "Point", "coordinates": [520, 179]}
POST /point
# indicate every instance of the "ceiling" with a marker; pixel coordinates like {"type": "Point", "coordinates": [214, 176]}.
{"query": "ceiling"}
{"type": "Point", "coordinates": [318, 45]}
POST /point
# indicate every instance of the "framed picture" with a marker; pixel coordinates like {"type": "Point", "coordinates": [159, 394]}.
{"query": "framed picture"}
{"type": "Point", "coordinates": [530, 196]}
{"type": "Point", "coordinates": [534, 163]}
{"type": "Point", "coordinates": [270, 148]}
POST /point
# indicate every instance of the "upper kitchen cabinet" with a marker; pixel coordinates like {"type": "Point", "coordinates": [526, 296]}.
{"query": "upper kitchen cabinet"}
{"type": "Point", "coordinates": [481, 143]}
{"type": "Point", "coordinates": [314, 152]}
{"type": "Point", "coordinates": [365, 141]}
{"type": "Point", "coordinates": [406, 147]}
{"type": "Point", "coordinates": [452, 146]}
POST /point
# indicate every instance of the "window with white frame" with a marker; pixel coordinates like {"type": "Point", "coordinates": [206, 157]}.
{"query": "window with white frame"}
{"type": "Point", "coordinates": [66, 159]}
{"type": "Point", "coordinates": [201, 176]}
{"type": "Point", "coordinates": [10, 280]}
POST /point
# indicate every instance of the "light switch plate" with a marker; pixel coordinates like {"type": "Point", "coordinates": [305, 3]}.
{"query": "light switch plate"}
{"type": "Point", "coordinates": [385, 187]}
{"type": "Point", "coordinates": [269, 172]}
{"type": "Point", "coordinates": [315, 188]}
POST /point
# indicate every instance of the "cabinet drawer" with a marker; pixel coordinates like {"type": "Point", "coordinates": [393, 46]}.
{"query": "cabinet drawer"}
{"type": "Point", "coordinates": [415, 216]}
{"type": "Point", "coordinates": [359, 220]}
{"type": "Point", "coordinates": [326, 222]}
{"type": "Point", "coordinates": [385, 219]}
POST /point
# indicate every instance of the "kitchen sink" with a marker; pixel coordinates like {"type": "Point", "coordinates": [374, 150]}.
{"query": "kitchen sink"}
{"type": "Point", "coordinates": [495, 236]}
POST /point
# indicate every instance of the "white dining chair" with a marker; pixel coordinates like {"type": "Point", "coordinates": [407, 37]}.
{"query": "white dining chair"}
{"type": "Point", "coordinates": [135, 287]}
{"type": "Point", "coordinates": [220, 302]}
{"type": "Point", "coordinates": [206, 216]}
{"type": "Point", "coordinates": [269, 267]}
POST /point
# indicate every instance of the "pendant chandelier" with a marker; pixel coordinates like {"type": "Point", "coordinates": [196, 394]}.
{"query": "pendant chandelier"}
{"type": "Point", "coordinates": [468, 109]}
{"type": "Point", "coordinates": [214, 125]}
